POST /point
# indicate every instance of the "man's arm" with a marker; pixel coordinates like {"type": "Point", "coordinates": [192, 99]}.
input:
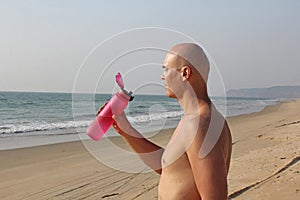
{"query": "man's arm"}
{"type": "Point", "coordinates": [148, 152]}
{"type": "Point", "coordinates": [209, 172]}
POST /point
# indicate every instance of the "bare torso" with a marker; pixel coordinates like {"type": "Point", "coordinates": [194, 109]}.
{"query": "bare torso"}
{"type": "Point", "coordinates": [177, 179]}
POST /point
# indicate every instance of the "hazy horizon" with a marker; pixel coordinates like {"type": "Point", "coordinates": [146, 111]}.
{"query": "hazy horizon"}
{"type": "Point", "coordinates": [70, 92]}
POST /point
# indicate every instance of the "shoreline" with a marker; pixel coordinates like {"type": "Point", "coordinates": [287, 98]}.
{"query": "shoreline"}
{"type": "Point", "coordinates": [45, 140]}
{"type": "Point", "coordinates": [71, 135]}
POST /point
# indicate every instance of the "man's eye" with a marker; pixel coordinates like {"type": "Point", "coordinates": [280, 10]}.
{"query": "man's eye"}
{"type": "Point", "coordinates": [164, 68]}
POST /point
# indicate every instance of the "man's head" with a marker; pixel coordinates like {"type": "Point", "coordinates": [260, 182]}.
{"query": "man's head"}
{"type": "Point", "coordinates": [185, 63]}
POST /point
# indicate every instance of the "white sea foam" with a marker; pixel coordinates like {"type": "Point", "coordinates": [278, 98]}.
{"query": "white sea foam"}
{"type": "Point", "coordinates": [155, 116]}
{"type": "Point", "coordinates": [41, 126]}
{"type": "Point", "coordinates": [46, 126]}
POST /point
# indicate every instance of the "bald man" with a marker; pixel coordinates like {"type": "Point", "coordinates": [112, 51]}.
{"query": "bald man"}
{"type": "Point", "coordinates": [195, 163]}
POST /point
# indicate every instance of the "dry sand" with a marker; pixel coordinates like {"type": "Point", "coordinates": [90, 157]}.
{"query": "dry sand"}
{"type": "Point", "coordinates": [265, 164]}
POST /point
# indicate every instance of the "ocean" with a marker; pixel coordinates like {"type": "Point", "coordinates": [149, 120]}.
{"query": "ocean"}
{"type": "Point", "coordinates": [34, 118]}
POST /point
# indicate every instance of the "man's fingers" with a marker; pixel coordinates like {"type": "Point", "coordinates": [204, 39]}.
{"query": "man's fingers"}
{"type": "Point", "coordinates": [117, 128]}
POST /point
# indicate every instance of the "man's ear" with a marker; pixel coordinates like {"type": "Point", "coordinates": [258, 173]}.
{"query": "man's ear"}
{"type": "Point", "coordinates": [186, 72]}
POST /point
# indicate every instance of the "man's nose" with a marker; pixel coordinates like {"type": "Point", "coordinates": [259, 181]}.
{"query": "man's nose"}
{"type": "Point", "coordinates": [162, 76]}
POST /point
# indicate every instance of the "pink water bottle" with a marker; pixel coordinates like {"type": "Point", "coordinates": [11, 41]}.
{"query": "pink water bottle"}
{"type": "Point", "coordinates": [115, 106]}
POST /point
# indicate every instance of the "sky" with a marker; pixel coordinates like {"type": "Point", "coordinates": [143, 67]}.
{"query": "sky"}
{"type": "Point", "coordinates": [78, 46]}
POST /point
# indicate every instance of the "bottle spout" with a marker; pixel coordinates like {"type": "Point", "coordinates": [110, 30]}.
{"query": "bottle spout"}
{"type": "Point", "coordinates": [120, 83]}
{"type": "Point", "coordinates": [119, 80]}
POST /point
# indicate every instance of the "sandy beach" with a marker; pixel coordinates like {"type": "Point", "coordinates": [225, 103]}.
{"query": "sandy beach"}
{"type": "Point", "coordinates": [265, 164]}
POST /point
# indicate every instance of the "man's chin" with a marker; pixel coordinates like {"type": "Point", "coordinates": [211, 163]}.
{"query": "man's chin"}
{"type": "Point", "coordinates": [170, 94]}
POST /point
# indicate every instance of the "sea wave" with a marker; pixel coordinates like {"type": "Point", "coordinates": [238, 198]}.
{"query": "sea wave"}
{"type": "Point", "coordinates": [37, 126]}
{"type": "Point", "coordinates": [41, 126]}
{"type": "Point", "coordinates": [155, 116]}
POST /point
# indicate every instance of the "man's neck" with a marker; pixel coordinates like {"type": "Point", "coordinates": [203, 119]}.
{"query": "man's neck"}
{"type": "Point", "coordinates": [191, 101]}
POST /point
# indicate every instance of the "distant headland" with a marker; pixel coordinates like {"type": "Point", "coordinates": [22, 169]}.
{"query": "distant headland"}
{"type": "Point", "coordinates": [270, 92]}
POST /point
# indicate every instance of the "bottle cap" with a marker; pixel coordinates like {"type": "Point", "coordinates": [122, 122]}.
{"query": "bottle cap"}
{"type": "Point", "coordinates": [128, 94]}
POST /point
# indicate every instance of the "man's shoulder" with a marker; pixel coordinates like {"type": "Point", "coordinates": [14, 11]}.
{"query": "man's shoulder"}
{"type": "Point", "coordinates": [203, 119]}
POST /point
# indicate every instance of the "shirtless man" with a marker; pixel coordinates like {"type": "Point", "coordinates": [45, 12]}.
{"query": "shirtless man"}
{"type": "Point", "coordinates": [195, 163]}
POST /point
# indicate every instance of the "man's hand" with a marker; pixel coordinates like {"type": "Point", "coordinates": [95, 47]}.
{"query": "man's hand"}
{"type": "Point", "coordinates": [121, 123]}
